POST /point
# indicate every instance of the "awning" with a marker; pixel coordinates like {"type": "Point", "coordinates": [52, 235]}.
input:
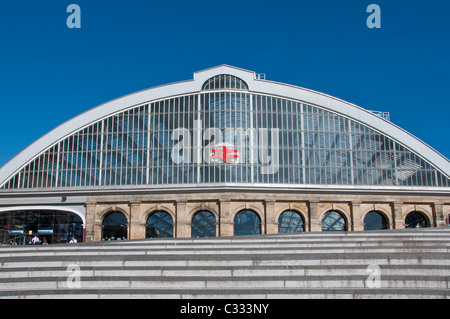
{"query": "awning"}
{"type": "Point", "coordinates": [45, 231]}
{"type": "Point", "coordinates": [15, 231]}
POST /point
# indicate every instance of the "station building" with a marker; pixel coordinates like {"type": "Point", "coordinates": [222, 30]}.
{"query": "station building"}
{"type": "Point", "coordinates": [228, 153]}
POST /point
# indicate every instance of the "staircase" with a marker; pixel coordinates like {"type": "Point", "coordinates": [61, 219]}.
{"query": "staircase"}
{"type": "Point", "coordinates": [380, 264]}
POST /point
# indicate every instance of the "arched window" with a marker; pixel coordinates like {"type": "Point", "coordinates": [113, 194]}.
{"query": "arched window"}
{"type": "Point", "coordinates": [203, 224]}
{"type": "Point", "coordinates": [290, 222]}
{"type": "Point", "coordinates": [159, 224]}
{"type": "Point", "coordinates": [333, 221]}
{"type": "Point", "coordinates": [224, 81]}
{"type": "Point", "coordinates": [19, 227]}
{"type": "Point", "coordinates": [416, 220]}
{"type": "Point", "coordinates": [375, 221]}
{"type": "Point", "coordinates": [247, 222]}
{"type": "Point", "coordinates": [114, 226]}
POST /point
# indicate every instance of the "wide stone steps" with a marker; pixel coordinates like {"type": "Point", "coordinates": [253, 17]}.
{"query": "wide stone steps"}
{"type": "Point", "coordinates": [412, 263]}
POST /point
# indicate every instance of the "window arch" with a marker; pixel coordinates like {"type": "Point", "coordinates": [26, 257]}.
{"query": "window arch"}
{"type": "Point", "coordinates": [416, 220]}
{"type": "Point", "coordinates": [290, 222]}
{"type": "Point", "coordinates": [224, 81]}
{"type": "Point", "coordinates": [375, 221]}
{"type": "Point", "coordinates": [159, 224]}
{"type": "Point", "coordinates": [56, 226]}
{"type": "Point", "coordinates": [203, 224]}
{"type": "Point", "coordinates": [333, 221]}
{"type": "Point", "coordinates": [114, 226]}
{"type": "Point", "coordinates": [247, 222]}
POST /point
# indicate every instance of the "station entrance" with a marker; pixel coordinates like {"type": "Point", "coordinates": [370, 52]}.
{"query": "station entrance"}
{"type": "Point", "coordinates": [49, 226]}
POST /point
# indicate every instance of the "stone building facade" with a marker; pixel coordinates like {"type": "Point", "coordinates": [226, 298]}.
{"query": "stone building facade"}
{"type": "Point", "coordinates": [228, 153]}
{"type": "Point", "coordinates": [268, 207]}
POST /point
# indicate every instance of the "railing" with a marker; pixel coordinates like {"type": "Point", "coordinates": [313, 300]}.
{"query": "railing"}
{"type": "Point", "coordinates": [260, 76]}
{"type": "Point", "coordinates": [18, 240]}
{"type": "Point", "coordinates": [384, 115]}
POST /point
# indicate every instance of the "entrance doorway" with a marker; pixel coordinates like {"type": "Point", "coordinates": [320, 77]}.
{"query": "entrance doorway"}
{"type": "Point", "coordinates": [50, 226]}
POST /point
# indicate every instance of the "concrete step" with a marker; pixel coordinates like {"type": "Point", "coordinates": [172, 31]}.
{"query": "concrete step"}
{"type": "Point", "coordinates": [230, 271]}
{"type": "Point", "coordinates": [223, 260]}
{"type": "Point", "coordinates": [226, 282]}
{"type": "Point", "coordinates": [301, 240]}
{"type": "Point", "coordinates": [304, 265]}
{"type": "Point", "coordinates": [238, 294]}
{"type": "Point", "coordinates": [41, 253]}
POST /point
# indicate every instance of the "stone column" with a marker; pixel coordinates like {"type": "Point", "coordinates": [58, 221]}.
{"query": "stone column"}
{"type": "Point", "coordinates": [91, 209]}
{"type": "Point", "coordinates": [438, 211]}
{"type": "Point", "coordinates": [358, 221]}
{"type": "Point", "coordinates": [315, 223]}
{"type": "Point", "coordinates": [226, 225]}
{"type": "Point", "coordinates": [271, 223]}
{"type": "Point", "coordinates": [182, 225]}
{"type": "Point", "coordinates": [397, 215]}
{"type": "Point", "coordinates": [136, 230]}
{"type": "Point", "coordinates": [98, 227]}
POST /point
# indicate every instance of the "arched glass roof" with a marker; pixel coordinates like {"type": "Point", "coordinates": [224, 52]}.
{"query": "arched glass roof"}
{"type": "Point", "coordinates": [225, 133]}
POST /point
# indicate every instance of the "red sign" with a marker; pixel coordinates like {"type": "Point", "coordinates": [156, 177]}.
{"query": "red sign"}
{"type": "Point", "coordinates": [225, 154]}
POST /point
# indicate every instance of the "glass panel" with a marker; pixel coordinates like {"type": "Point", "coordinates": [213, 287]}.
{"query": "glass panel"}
{"type": "Point", "coordinates": [312, 146]}
{"type": "Point", "coordinates": [247, 222]}
{"type": "Point", "coordinates": [375, 221]}
{"type": "Point", "coordinates": [333, 221]}
{"type": "Point", "coordinates": [159, 224]}
{"type": "Point", "coordinates": [224, 81]}
{"type": "Point", "coordinates": [416, 220]}
{"type": "Point", "coordinates": [114, 227]}
{"type": "Point", "coordinates": [49, 226]}
{"type": "Point", "coordinates": [204, 224]}
{"type": "Point", "coordinates": [290, 222]}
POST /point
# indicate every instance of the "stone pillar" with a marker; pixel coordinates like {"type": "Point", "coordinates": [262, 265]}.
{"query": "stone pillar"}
{"type": "Point", "coordinates": [182, 225]}
{"type": "Point", "coordinates": [135, 229]}
{"type": "Point", "coordinates": [438, 212]}
{"type": "Point", "coordinates": [89, 227]}
{"type": "Point", "coordinates": [98, 227]}
{"type": "Point", "coordinates": [397, 215]}
{"type": "Point", "coordinates": [271, 223]}
{"type": "Point", "coordinates": [358, 221]}
{"type": "Point", "coordinates": [226, 225]}
{"type": "Point", "coordinates": [315, 223]}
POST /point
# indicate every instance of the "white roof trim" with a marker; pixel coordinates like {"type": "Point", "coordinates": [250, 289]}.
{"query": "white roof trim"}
{"type": "Point", "coordinates": [257, 86]}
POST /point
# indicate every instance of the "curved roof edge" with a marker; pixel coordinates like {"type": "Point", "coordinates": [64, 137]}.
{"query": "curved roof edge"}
{"type": "Point", "coordinates": [255, 85]}
{"type": "Point", "coordinates": [77, 212]}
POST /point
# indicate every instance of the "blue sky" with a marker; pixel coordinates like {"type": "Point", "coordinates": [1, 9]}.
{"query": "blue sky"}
{"type": "Point", "coordinates": [50, 73]}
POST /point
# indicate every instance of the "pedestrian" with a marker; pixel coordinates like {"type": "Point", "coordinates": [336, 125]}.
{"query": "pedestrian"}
{"type": "Point", "coordinates": [73, 241]}
{"type": "Point", "coordinates": [35, 240]}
